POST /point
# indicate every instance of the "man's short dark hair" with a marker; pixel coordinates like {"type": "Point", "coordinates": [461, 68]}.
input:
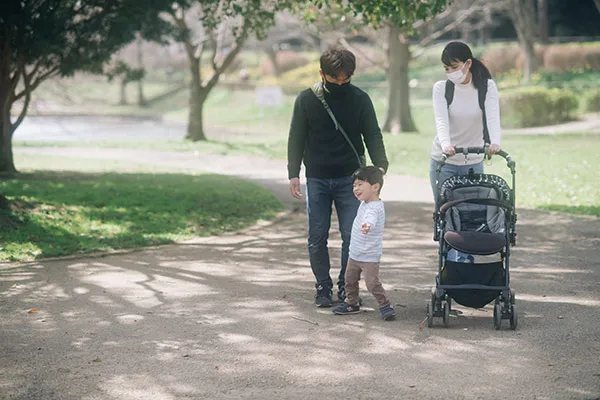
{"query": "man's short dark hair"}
{"type": "Point", "coordinates": [337, 60]}
{"type": "Point", "coordinates": [369, 174]}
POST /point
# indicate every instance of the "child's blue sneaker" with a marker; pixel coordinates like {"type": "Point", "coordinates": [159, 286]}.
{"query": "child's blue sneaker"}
{"type": "Point", "coordinates": [345, 308]}
{"type": "Point", "coordinates": [387, 312]}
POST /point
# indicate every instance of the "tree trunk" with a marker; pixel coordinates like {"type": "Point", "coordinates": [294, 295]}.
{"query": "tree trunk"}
{"type": "Point", "coordinates": [140, 83]}
{"type": "Point", "coordinates": [399, 117]}
{"type": "Point", "coordinates": [7, 163]}
{"type": "Point", "coordinates": [273, 58]}
{"type": "Point", "coordinates": [522, 13]}
{"type": "Point", "coordinates": [529, 65]}
{"type": "Point", "coordinates": [597, 4]}
{"type": "Point", "coordinates": [198, 95]}
{"type": "Point", "coordinates": [543, 20]}
{"type": "Point", "coordinates": [141, 99]}
{"type": "Point", "coordinates": [123, 93]}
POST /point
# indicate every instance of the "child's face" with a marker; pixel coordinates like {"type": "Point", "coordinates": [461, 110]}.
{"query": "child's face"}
{"type": "Point", "coordinates": [364, 191]}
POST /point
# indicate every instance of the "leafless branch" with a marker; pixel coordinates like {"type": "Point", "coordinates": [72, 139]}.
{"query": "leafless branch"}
{"type": "Point", "coordinates": [235, 49]}
{"type": "Point", "coordinates": [28, 89]}
{"type": "Point", "coordinates": [31, 86]}
{"type": "Point", "coordinates": [362, 54]}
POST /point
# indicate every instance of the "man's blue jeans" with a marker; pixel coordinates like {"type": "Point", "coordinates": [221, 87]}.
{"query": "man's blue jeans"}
{"type": "Point", "coordinates": [320, 195]}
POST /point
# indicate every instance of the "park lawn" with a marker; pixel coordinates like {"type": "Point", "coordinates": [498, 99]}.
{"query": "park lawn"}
{"type": "Point", "coordinates": [555, 172]}
{"type": "Point", "coordinates": [64, 213]}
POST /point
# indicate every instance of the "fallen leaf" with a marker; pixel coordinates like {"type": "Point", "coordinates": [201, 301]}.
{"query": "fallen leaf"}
{"type": "Point", "coordinates": [33, 310]}
{"type": "Point", "coordinates": [560, 317]}
{"type": "Point", "coordinates": [216, 367]}
{"type": "Point", "coordinates": [97, 359]}
{"type": "Point", "coordinates": [186, 355]}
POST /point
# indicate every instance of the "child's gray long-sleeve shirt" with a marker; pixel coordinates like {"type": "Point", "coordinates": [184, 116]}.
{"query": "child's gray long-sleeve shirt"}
{"type": "Point", "coordinates": [368, 247]}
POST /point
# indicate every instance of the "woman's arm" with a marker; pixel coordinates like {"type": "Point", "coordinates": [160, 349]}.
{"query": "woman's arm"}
{"type": "Point", "coordinates": [492, 112]}
{"type": "Point", "coordinates": [440, 112]}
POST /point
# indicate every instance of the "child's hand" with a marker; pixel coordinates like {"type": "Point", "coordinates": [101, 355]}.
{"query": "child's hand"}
{"type": "Point", "coordinates": [366, 228]}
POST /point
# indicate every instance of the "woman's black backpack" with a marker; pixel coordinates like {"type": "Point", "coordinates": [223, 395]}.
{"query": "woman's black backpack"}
{"type": "Point", "coordinates": [482, 93]}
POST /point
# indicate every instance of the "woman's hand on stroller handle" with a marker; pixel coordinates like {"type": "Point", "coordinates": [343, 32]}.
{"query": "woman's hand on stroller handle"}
{"type": "Point", "coordinates": [478, 150]}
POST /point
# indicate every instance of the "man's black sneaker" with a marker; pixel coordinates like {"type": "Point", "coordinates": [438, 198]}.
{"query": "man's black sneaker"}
{"type": "Point", "coordinates": [323, 297]}
{"type": "Point", "coordinates": [345, 308]}
{"type": "Point", "coordinates": [341, 294]}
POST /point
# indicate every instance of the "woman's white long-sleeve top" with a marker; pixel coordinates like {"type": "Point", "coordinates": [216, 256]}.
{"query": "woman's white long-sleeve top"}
{"type": "Point", "coordinates": [461, 124]}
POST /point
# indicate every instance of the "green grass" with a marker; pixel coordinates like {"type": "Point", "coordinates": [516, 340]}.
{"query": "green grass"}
{"type": "Point", "coordinates": [61, 213]}
{"type": "Point", "coordinates": [558, 172]}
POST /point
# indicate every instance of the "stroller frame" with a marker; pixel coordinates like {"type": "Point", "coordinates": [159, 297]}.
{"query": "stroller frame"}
{"type": "Point", "coordinates": [441, 294]}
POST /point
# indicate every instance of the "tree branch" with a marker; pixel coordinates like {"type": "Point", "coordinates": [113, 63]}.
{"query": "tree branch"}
{"type": "Point", "coordinates": [460, 17]}
{"type": "Point", "coordinates": [28, 89]}
{"type": "Point", "coordinates": [361, 53]}
{"type": "Point", "coordinates": [213, 58]}
{"type": "Point", "coordinates": [218, 69]}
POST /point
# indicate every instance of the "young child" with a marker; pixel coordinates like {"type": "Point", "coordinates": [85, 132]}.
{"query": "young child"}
{"type": "Point", "coordinates": [366, 244]}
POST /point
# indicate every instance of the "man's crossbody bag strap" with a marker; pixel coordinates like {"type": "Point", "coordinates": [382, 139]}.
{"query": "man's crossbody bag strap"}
{"type": "Point", "coordinates": [318, 91]}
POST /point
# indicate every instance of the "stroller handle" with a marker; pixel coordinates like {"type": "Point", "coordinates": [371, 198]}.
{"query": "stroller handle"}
{"type": "Point", "coordinates": [478, 150]}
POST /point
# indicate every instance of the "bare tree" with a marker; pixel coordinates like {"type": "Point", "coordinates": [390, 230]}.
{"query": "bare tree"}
{"type": "Point", "coordinates": [221, 27]}
{"type": "Point", "coordinates": [286, 27]}
{"type": "Point", "coordinates": [522, 13]}
{"type": "Point", "coordinates": [597, 4]}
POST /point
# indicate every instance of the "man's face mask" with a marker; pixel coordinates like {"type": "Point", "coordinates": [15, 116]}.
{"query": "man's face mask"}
{"type": "Point", "coordinates": [336, 89]}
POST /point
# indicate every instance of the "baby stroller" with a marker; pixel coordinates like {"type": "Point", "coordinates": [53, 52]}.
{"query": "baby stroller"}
{"type": "Point", "coordinates": [475, 215]}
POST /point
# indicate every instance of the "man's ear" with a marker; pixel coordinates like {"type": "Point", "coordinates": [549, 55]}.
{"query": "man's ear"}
{"type": "Point", "coordinates": [322, 74]}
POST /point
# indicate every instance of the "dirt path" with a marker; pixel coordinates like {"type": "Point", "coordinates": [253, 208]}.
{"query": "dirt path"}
{"type": "Point", "coordinates": [232, 317]}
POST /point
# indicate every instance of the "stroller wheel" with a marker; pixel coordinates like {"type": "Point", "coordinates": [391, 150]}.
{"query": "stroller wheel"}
{"type": "Point", "coordinates": [512, 296]}
{"type": "Point", "coordinates": [446, 315]}
{"type": "Point", "coordinates": [514, 319]}
{"type": "Point", "coordinates": [429, 314]}
{"type": "Point", "coordinates": [497, 315]}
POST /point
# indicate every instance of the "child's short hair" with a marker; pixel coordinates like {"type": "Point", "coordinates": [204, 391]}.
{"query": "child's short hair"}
{"type": "Point", "coordinates": [369, 174]}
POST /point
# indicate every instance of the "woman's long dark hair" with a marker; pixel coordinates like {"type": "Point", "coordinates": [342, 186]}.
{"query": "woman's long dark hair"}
{"type": "Point", "coordinates": [459, 51]}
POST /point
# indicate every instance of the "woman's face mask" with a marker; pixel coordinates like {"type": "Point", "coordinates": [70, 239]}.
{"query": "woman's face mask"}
{"type": "Point", "coordinates": [458, 76]}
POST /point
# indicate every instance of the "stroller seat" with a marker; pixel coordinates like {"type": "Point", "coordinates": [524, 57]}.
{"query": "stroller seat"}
{"type": "Point", "coordinates": [480, 243]}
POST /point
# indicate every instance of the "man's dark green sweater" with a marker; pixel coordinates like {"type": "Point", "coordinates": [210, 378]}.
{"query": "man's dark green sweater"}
{"type": "Point", "coordinates": [314, 139]}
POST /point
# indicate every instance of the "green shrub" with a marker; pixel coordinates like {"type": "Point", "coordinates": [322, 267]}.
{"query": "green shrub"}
{"type": "Point", "coordinates": [532, 106]}
{"type": "Point", "coordinates": [593, 101]}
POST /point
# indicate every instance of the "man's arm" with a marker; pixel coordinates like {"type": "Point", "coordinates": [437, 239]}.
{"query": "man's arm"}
{"type": "Point", "coordinates": [372, 135]}
{"type": "Point", "coordinates": [296, 146]}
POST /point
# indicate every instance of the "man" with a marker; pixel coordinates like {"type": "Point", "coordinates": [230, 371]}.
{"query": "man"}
{"type": "Point", "coordinates": [330, 161]}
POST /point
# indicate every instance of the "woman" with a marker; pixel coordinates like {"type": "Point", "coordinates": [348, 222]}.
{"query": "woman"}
{"type": "Point", "coordinates": [460, 124]}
